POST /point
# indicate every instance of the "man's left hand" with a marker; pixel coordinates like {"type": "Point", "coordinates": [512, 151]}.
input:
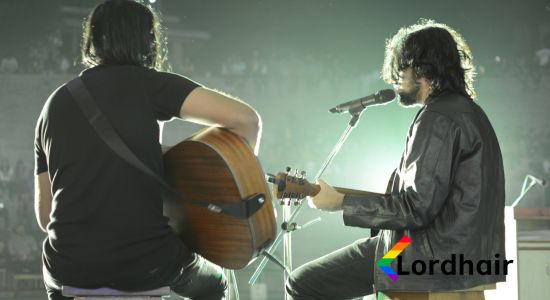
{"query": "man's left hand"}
{"type": "Point", "coordinates": [327, 199]}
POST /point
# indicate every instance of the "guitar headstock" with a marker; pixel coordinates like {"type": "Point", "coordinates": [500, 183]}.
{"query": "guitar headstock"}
{"type": "Point", "coordinates": [291, 186]}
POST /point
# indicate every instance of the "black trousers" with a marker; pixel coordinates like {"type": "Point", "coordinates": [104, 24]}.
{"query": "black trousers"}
{"type": "Point", "coordinates": [200, 280]}
{"type": "Point", "coordinates": [346, 273]}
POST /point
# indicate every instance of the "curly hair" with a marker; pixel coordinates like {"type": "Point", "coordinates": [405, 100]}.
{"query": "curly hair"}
{"type": "Point", "coordinates": [433, 51]}
{"type": "Point", "coordinates": [123, 32]}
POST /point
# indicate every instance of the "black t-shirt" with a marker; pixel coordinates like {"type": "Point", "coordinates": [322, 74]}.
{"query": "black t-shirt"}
{"type": "Point", "coordinates": [107, 227]}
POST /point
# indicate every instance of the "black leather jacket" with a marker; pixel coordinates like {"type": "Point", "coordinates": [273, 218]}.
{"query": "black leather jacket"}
{"type": "Point", "coordinates": [447, 195]}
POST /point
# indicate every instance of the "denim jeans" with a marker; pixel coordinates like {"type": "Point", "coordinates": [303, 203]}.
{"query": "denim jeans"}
{"type": "Point", "coordinates": [199, 280]}
{"type": "Point", "coordinates": [346, 273]}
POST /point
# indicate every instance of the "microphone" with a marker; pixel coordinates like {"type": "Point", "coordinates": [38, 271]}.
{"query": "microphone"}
{"type": "Point", "coordinates": [537, 180]}
{"type": "Point", "coordinates": [355, 106]}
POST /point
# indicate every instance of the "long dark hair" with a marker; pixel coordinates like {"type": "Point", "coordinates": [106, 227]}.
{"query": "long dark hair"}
{"type": "Point", "coordinates": [123, 32]}
{"type": "Point", "coordinates": [434, 51]}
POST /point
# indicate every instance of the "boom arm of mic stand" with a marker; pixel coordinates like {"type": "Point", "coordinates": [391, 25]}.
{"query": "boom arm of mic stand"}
{"type": "Point", "coordinates": [352, 123]}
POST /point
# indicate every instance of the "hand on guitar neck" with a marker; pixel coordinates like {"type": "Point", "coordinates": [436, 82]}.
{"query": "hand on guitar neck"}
{"type": "Point", "coordinates": [322, 196]}
{"type": "Point", "coordinates": [328, 198]}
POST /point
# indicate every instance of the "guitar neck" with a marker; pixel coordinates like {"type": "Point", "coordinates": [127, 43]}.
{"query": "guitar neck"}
{"type": "Point", "coordinates": [355, 192]}
{"type": "Point", "coordinates": [317, 188]}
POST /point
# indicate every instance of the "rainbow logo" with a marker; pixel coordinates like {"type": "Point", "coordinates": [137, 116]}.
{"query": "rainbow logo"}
{"type": "Point", "coordinates": [385, 262]}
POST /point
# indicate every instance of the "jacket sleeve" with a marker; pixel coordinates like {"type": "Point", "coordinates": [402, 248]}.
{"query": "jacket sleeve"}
{"type": "Point", "coordinates": [420, 185]}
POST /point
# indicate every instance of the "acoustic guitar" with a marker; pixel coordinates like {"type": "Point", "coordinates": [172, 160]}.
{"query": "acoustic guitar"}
{"type": "Point", "coordinates": [218, 166]}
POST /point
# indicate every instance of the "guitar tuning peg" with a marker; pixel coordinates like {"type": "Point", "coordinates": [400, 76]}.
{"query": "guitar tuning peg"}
{"type": "Point", "coordinates": [288, 169]}
{"type": "Point", "coordinates": [281, 201]}
{"type": "Point", "coordinates": [303, 173]}
{"type": "Point", "coordinates": [296, 202]}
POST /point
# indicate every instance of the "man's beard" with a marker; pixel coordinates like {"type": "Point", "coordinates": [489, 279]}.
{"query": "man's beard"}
{"type": "Point", "coordinates": [409, 98]}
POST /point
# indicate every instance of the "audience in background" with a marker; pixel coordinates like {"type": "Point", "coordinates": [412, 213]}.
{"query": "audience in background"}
{"type": "Point", "coordinates": [20, 237]}
{"type": "Point", "coordinates": [24, 251]}
{"type": "Point", "coordinates": [6, 173]}
{"type": "Point", "coordinates": [5, 259]}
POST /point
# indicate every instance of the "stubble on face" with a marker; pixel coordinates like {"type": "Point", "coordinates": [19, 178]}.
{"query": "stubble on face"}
{"type": "Point", "coordinates": [408, 88]}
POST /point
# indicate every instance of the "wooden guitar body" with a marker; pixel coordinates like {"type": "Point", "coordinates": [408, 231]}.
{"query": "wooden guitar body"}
{"type": "Point", "coordinates": [218, 166]}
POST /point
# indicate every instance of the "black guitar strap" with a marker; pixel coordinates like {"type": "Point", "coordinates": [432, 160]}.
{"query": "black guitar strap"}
{"type": "Point", "coordinates": [107, 133]}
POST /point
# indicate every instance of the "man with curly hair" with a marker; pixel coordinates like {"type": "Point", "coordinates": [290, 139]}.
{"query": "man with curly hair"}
{"type": "Point", "coordinates": [447, 195]}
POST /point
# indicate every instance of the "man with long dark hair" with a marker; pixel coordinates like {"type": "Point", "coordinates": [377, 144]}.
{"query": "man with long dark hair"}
{"type": "Point", "coordinates": [447, 195]}
{"type": "Point", "coordinates": [104, 219]}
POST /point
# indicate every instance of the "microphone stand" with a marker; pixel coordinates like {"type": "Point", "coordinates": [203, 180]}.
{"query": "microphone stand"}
{"type": "Point", "coordinates": [288, 225]}
{"type": "Point", "coordinates": [524, 189]}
